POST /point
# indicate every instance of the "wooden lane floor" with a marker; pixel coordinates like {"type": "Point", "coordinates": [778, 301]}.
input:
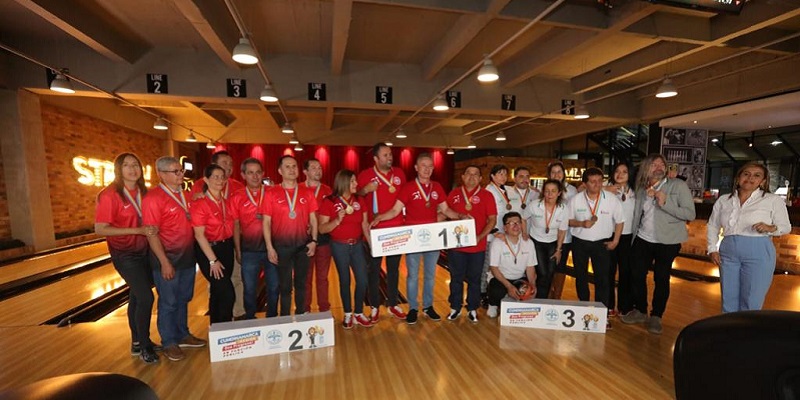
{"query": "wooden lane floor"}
{"type": "Point", "coordinates": [47, 262]}
{"type": "Point", "coordinates": [394, 360]}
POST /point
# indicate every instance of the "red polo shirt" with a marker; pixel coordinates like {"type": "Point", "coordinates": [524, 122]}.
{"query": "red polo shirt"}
{"type": "Point", "coordinates": [214, 216]}
{"type": "Point", "coordinates": [118, 212]}
{"type": "Point", "coordinates": [350, 228]}
{"type": "Point", "coordinates": [244, 210]}
{"type": "Point", "coordinates": [174, 228]}
{"type": "Point", "coordinates": [382, 198]}
{"type": "Point", "coordinates": [483, 206]}
{"type": "Point", "coordinates": [286, 231]}
{"type": "Point", "coordinates": [414, 201]}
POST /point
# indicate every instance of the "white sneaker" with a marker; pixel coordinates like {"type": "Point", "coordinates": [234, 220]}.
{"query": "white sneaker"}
{"type": "Point", "coordinates": [492, 312]}
{"type": "Point", "coordinates": [472, 316]}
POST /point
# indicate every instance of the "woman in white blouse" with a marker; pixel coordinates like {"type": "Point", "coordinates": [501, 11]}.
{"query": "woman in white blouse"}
{"type": "Point", "coordinates": [749, 217]}
{"type": "Point", "coordinates": [619, 184]}
{"type": "Point", "coordinates": [555, 170]}
{"type": "Point", "coordinates": [548, 225]}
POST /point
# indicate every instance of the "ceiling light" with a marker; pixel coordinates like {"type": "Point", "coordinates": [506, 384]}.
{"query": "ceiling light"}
{"type": "Point", "coordinates": [581, 112]}
{"type": "Point", "coordinates": [191, 137]}
{"type": "Point", "coordinates": [471, 145]}
{"type": "Point", "coordinates": [160, 124]}
{"type": "Point", "coordinates": [401, 134]}
{"type": "Point", "coordinates": [450, 151]}
{"type": "Point", "coordinates": [694, 122]}
{"type": "Point", "coordinates": [268, 94]}
{"type": "Point", "coordinates": [501, 137]}
{"type": "Point", "coordinates": [298, 147]}
{"type": "Point", "coordinates": [61, 84]}
{"type": "Point", "coordinates": [243, 53]}
{"type": "Point", "coordinates": [211, 145]}
{"type": "Point", "coordinates": [667, 89]}
{"type": "Point", "coordinates": [749, 144]}
{"type": "Point", "coordinates": [488, 72]}
{"type": "Point", "coordinates": [776, 142]}
{"type": "Point", "coordinates": [294, 140]}
{"type": "Point", "coordinates": [440, 104]}
{"type": "Point", "coordinates": [287, 128]}
{"type": "Point", "coordinates": [390, 144]}
{"type": "Point", "coordinates": [714, 140]}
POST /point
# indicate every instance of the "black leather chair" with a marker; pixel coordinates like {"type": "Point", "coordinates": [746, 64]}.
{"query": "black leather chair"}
{"type": "Point", "coordinates": [88, 386]}
{"type": "Point", "coordinates": [744, 355]}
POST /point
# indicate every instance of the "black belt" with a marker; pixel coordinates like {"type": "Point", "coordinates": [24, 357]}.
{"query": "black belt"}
{"type": "Point", "coordinates": [220, 242]}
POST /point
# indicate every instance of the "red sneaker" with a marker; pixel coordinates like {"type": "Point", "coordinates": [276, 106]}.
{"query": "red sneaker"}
{"type": "Point", "coordinates": [347, 323]}
{"type": "Point", "coordinates": [613, 313]}
{"type": "Point", "coordinates": [376, 313]}
{"type": "Point", "coordinates": [397, 312]}
{"type": "Point", "coordinates": [361, 319]}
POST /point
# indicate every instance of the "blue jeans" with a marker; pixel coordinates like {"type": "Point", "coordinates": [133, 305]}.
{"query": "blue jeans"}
{"type": "Point", "coordinates": [173, 298]}
{"type": "Point", "coordinates": [347, 257]}
{"type": "Point", "coordinates": [412, 281]}
{"type": "Point", "coordinates": [465, 265]}
{"type": "Point", "coordinates": [252, 262]}
{"type": "Point", "coordinates": [745, 273]}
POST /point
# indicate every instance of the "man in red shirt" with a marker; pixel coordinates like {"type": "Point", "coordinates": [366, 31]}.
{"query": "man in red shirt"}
{"type": "Point", "coordinates": [172, 257]}
{"type": "Point", "coordinates": [248, 240]}
{"type": "Point", "coordinates": [289, 218]}
{"type": "Point", "coordinates": [477, 203]}
{"type": "Point", "coordinates": [321, 261]}
{"type": "Point", "coordinates": [380, 185]}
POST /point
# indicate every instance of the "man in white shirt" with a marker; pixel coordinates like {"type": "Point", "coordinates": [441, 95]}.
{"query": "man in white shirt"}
{"type": "Point", "coordinates": [522, 196]}
{"type": "Point", "coordinates": [594, 218]}
{"type": "Point", "coordinates": [512, 259]}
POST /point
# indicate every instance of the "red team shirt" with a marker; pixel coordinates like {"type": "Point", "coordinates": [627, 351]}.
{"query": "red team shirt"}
{"type": "Point", "coordinates": [321, 191]}
{"type": "Point", "coordinates": [216, 217]}
{"type": "Point", "coordinates": [174, 228]}
{"type": "Point", "coordinates": [119, 213]}
{"type": "Point", "coordinates": [385, 199]}
{"type": "Point", "coordinates": [350, 228]}
{"type": "Point", "coordinates": [483, 206]}
{"type": "Point", "coordinates": [252, 228]}
{"type": "Point", "coordinates": [287, 232]}
{"type": "Point", "coordinates": [414, 201]}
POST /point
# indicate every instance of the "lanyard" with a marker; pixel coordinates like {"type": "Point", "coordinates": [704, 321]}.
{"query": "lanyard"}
{"type": "Point", "coordinates": [291, 202]}
{"type": "Point", "coordinates": [220, 203]}
{"type": "Point", "coordinates": [505, 196]}
{"type": "Point", "coordinates": [468, 199]}
{"type": "Point", "coordinates": [137, 202]}
{"type": "Point", "coordinates": [524, 198]}
{"type": "Point", "coordinates": [596, 205]}
{"type": "Point", "coordinates": [426, 196]}
{"type": "Point", "coordinates": [514, 253]}
{"type": "Point", "coordinates": [253, 200]}
{"type": "Point", "coordinates": [547, 220]}
{"type": "Point", "coordinates": [181, 202]}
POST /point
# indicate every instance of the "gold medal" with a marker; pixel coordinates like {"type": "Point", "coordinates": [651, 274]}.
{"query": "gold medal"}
{"type": "Point", "coordinates": [468, 206]}
{"type": "Point", "coordinates": [427, 204]}
{"type": "Point", "coordinates": [392, 189]}
{"type": "Point", "coordinates": [348, 210]}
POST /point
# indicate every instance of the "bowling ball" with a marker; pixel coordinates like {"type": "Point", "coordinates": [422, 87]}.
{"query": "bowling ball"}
{"type": "Point", "coordinates": [524, 289]}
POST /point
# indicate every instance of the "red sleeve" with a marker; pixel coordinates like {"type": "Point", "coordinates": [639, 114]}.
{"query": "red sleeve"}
{"type": "Point", "coordinates": [326, 208]}
{"type": "Point", "coordinates": [105, 207]}
{"type": "Point", "coordinates": [197, 209]}
{"type": "Point", "coordinates": [491, 205]}
{"type": "Point", "coordinates": [438, 188]}
{"type": "Point", "coordinates": [404, 195]}
{"type": "Point", "coordinates": [151, 214]}
{"type": "Point", "coordinates": [364, 177]}
{"type": "Point", "coordinates": [312, 202]}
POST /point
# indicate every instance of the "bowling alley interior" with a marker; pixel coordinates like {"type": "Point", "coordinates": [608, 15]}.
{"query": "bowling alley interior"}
{"type": "Point", "coordinates": [712, 86]}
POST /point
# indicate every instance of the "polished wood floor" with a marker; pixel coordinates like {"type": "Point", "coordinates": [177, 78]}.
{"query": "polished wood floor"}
{"type": "Point", "coordinates": [392, 360]}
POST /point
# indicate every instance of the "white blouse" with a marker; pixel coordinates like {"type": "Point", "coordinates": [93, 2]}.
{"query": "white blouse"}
{"type": "Point", "coordinates": [736, 219]}
{"type": "Point", "coordinates": [537, 224]}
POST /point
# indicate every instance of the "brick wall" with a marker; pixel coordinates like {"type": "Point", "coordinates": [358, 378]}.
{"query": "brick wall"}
{"type": "Point", "coordinates": [537, 166]}
{"type": "Point", "coordinates": [68, 134]}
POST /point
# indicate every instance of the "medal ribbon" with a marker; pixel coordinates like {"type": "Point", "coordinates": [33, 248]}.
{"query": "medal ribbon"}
{"type": "Point", "coordinates": [345, 202]}
{"type": "Point", "coordinates": [382, 178]}
{"type": "Point", "coordinates": [502, 192]}
{"type": "Point", "coordinates": [220, 203]}
{"type": "Point", "coordinates": [525, 197]}
{"type": "Point", "coordinates": [227, 190]}
{"type": "Point", "coordinates": [137, 203]}
{"type": "Point", "coordinates": [512, 250]}
{"type": "Point", "coordinates": [291, 202]}
{"type": "Point", "coordinates": [425, 196]}
{"type": "Point", "coordinates": [181, 202]}
{"type": "Point", "coordinates": [467, 199]}
{"type": "Point", "coordinates": [589, 203]}
{"type": "Point", "coordinates": [547, 220]}
{"type": "Point", "coordinates": [253, 200]}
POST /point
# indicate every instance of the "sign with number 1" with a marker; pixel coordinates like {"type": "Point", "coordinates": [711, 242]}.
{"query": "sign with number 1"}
{"type": "Point", "coordinates": [423, 237]}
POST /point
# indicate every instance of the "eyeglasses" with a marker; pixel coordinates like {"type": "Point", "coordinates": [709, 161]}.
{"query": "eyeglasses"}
{"type": "Point", "coordinates": [175, 171]}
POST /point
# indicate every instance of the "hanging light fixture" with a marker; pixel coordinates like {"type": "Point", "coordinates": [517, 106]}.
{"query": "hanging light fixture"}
{"type": "Point", "coordinates": [488, 72]}
{"type": "Point", "coordinates": [472, 145]}
{"type": "Point", "coordinates": [268, 94]}
{"type": "Point", "coordinates": [667, 89]}
{"type": "Point", "coordinates": [287, 128]}
{"type": "Point", "coordinates": [298, 147]}
{"type": "Point", "coordinates": [191, 137]}
{"type": "Point", "coordinates": [440, 104]}
{"type": "Point", "coordinates": [294, 140]}
{"type": "Point", "coordinates": [501, 137]}
{"type": "Point", "coordinates": [160, 124]}
{"type": "Point", "coordinates": [61, 84]}
{"type": "Point", "coordinates": [581, 112]}
{"type": "Point", "coordinates": [390, 144]}
{"type": "Point", "coordinates": [243, 53]}
{"type": "Point", "coordinates": [401, 134]}
{"type": "Point", "coordinates": [450, 151]}
{"type": "Point", "coordinates": [211, 145]}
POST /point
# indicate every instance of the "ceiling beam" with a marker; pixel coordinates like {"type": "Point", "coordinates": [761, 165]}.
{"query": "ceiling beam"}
{"type": "Point", "coordinates": [222, 117]}
{"type": "Point", "coordinates": [215, 25]}
{"type": "Point", "coordinates": [380, 123]}
{"type": "Point", "coordinates": [342, 14]}
{"type": "Point", "coordinates": [96, 29]}
{"type": "Point", "coordinates": [329, 117]}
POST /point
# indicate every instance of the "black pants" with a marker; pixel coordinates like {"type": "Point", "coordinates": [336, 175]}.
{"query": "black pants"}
{"type": "Point", "coordinates": [221, 294]}
{"type": "Point", "coordinates": [392, 280]}
{"type": "Point", "coordinates": [562, 263]}
{"type": "Point", "coordinates": [545, 268]}
{"type": "Point", "coordinates": [135, 270]}
{"type": "Point", "coordinates": [582, 251]}
{"type": "Point", "coordinates": [293, 271]}
{"type": "Point", "coordinates": [660, 256]}
{"type": "Point", "coordinates": [496, 291]}
{"type": "Point", "coordinates": [621, 258]}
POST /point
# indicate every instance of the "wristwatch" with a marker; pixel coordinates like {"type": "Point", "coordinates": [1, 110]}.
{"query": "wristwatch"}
{"type": "Point", "coordinates": [213, 262]}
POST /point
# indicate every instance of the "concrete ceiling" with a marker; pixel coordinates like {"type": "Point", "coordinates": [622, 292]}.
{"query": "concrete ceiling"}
{"type": "Point", "coordinates": [611, 59]}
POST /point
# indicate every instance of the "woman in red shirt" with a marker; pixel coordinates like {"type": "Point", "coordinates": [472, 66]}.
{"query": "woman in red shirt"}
{"type": "Point", "coordinates": [119, 218]}
{"type": "Point", "coordinates": [344, 216]}
{"type": "Point", "coordinates": [213, 231]}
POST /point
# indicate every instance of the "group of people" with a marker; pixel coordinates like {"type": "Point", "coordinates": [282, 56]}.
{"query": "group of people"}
{"type": "Point", "coordinates": [290, 231]}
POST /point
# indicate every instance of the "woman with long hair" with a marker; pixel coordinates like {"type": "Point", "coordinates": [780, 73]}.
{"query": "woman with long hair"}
{"type": "Point", "coordinates": [119, 219]}
{"type": "Point", "coordinates": [344, 216]}
{"type": "Point", "coordinates": [749, 217]}
{"type": "Point", "coordinates": [619, 184]}
{"type": "Point", "coordinates": [212, 220]}
{"type": "Point", "coordinates": [555, 171]}
{"type": "Point", "coordinates": [548, 227]}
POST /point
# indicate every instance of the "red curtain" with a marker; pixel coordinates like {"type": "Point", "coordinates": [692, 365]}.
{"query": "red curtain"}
{"type": "Point", "coordinates": [332, 158]}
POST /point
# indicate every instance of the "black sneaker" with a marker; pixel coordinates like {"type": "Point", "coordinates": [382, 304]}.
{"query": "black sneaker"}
{"type": "Point", "coordinates": [149, 355]}
{"type": "Point", "coordinates": [453, 315]}
{"type": "Point", "coordinates": [472, 316]}
{"type": "Point", "coordinates": [431, 313]}
{"type": "Point", "coordinates": [411, 317]}
{"type": "Point", "coordinates": [136, 349]}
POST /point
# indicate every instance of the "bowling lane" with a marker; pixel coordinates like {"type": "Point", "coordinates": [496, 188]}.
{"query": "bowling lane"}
{"type": "Point", "coordinates": [47, 262]}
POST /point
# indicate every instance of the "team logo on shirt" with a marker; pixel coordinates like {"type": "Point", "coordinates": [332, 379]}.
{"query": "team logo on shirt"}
{"type": "Point", "coordinates": [476, 199]}
{"type": "Point", "coordinates": [416, 196]}
{"type": "Point", "coordinates": [396, 180]}
{"type": "Point", "coordinates": [357, 206]}
{"type": "Point", "coordinates": [435, 195]}
{"type": "Point", "coordinates": [303, 200]}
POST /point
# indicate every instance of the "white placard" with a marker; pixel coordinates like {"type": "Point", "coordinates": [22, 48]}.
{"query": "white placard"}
{"type": "Point", "coordinates": [563, 315]}
{"type": "Point", "coordinates": [260, 337]}
{"type": "Point", "coordinates": [424, 237]}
